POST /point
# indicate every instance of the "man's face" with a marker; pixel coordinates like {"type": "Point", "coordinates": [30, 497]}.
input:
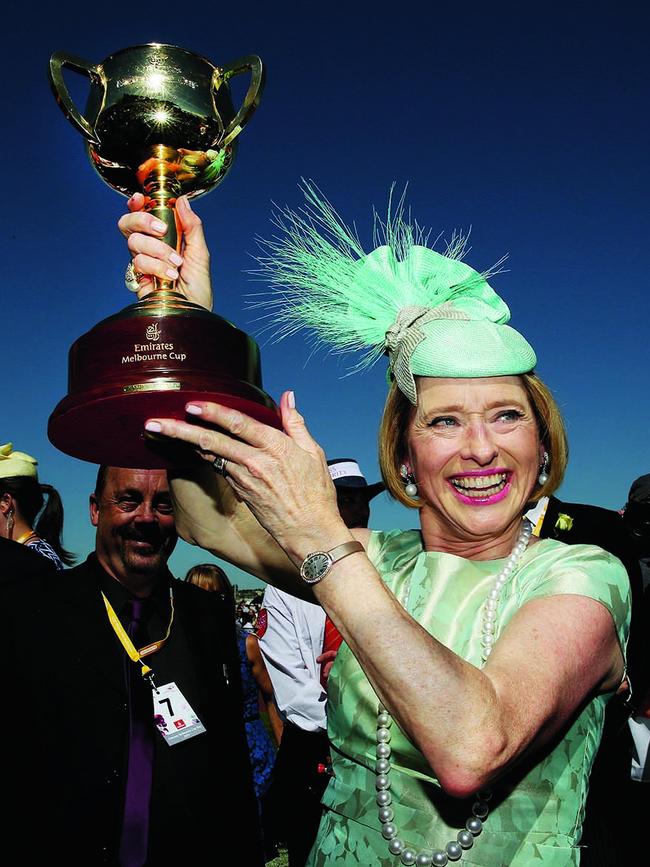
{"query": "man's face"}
{"type": "Point", "coordinates": [135, 523]}
{"type": "Point", "coordinates": [353, 506]}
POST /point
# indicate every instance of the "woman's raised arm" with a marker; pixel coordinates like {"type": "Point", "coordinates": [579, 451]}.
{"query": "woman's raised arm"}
{"type": "Point", "coordinates": [470, 724]}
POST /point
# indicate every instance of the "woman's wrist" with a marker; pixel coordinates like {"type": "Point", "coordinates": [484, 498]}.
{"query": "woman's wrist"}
{"type": "Point", "coordinates": [300, 544]}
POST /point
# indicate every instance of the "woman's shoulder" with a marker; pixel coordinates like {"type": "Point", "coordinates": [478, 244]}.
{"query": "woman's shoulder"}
{"type": "Point", "coordinates": [553, 567]}
{"type": "Point", "coordinates": [562, 555]}
{"type": "Point", "coordinates": [385, 545]}
{"type": "Point", "coordinates": [45, 550]}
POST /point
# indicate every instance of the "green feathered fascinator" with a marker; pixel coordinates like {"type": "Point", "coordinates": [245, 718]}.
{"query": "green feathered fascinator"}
{"type": "Point", "coordinates": [429, 312]}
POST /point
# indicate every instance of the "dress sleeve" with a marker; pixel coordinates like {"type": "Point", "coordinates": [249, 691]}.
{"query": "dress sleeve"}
{"type": "Point", "coordinates": [375, 545]}
{"type": "Point", "coordinates": [388, 547]}
{"type": "Point", "coordinates": [584, 570]}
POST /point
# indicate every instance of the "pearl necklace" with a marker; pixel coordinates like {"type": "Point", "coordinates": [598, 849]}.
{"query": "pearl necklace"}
{"type": "Point", "coordinates": [480, 809]}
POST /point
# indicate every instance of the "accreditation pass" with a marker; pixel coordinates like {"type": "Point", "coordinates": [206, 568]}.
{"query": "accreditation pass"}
{"type": "Point", "coordinates": [173, 716]}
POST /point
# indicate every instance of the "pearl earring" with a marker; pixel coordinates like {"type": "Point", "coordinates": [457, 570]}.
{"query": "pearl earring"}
{"type": "Point", "coordinates": [410, 488]}
{"type": "Point", "coordinates": [542, 478]}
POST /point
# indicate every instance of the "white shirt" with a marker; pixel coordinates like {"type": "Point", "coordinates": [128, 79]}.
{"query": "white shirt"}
{"type": "Point", "coordinates": [640, 728]}
{"type": "Point", "coordinates": [292, 641]}
{"type": "Point", "coordinates": [537, 514]}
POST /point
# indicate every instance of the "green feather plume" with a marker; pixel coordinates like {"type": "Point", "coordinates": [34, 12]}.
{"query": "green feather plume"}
{"type": "Point", "coordinates": [324, 281]}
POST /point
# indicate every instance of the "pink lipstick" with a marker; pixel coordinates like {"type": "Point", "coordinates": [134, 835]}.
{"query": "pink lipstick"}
{"type": "Point", "coordinates": [481, 487]}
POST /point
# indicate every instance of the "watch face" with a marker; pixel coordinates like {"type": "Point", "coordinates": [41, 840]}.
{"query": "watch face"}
{"type": "Point", "coordinates": [315, 567]}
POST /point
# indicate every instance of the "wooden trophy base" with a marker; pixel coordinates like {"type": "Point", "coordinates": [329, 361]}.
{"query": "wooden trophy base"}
{"type": "Point", "coordinates": [148, 361]}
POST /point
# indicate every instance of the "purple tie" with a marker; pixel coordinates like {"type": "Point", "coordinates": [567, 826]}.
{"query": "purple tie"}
{"type": "Point", "coordinates": [135, 825]}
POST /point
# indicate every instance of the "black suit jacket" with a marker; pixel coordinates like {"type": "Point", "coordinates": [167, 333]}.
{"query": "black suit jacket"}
{"type": "Point", "coordinates": [64, 667]}
{"type": "Point", "coordinates": [612, 797]}
{"type": "Point", "coordinates": [591, 525]}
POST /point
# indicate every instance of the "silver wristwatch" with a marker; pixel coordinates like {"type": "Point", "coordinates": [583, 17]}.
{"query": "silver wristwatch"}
{"type": "Point", "coordinates": [316, 565]}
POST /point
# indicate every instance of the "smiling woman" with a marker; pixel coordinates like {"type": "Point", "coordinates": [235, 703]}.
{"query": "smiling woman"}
{"type": "Point", "coordinates": [479, 442]}
{"type": "Point", "coordinates": [472, 442]}
{"type": "Point", "coordinates": [550, 426]}
{"type": "Point", "coordinates": [464, 709]}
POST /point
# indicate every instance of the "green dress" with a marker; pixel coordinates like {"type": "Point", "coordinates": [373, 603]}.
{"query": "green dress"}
{"type": "Point", "coordinates": [537, 808]}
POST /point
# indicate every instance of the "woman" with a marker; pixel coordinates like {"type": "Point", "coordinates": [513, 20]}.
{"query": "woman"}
{"type": "Point", "coordinates": [465, 707]}
{"type": "Point", "coordinates": [210, 577]}
{"type": "Point", "coordinates": [22, 501]}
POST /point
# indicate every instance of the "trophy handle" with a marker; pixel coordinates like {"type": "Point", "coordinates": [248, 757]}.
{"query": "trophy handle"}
{"type": "Point", "coordinates": [253, 64]}
{"type": "Point", "coordinates": [58, 61]}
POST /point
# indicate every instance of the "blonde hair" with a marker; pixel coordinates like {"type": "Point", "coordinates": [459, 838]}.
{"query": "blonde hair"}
{"type": "Point", "coordinates": [398, 413]}
{"type": "Point", "coordinates": [209, 576]}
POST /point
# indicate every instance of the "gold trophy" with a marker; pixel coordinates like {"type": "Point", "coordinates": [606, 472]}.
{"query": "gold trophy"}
{"type": "Point", "coordinates": [159, 120]}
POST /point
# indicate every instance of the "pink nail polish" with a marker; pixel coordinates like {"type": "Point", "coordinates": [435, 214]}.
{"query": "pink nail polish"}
{"type": "Point", "coordinates": [193, 409]}
{"type": "Point", "coordinates": [153, 426]}
{"type": "Point", "coordinates": [291, 400]}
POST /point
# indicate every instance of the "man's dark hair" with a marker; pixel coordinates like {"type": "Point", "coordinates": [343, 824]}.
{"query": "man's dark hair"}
{"type": "Point", "coordinates": [100, 482]}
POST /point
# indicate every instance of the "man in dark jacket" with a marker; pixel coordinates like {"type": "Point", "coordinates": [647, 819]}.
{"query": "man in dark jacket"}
{"type": "Point", "coordinates": [95, 778]}
{"type": "Point", "coordinates": [611, 797]}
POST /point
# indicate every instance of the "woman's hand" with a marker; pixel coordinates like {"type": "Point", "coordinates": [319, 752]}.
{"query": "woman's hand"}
{"type": "Point", "coordinates": [281, 475]}
{"type": "Point", "coordinates": [470, 724]}
{"type": "Point", "coordinates": [154, 258]}
{"type": "Point", "coordinates": [326, 660]}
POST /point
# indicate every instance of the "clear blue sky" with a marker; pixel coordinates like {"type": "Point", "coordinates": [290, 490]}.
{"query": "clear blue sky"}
{"type": "Point", "coordinates": [527, 122]}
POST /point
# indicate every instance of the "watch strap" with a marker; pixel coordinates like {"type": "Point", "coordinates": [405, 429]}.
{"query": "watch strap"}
{"type": "Point", "coordinates": [344, 550]}
{"type": "Point", "coordinates": [332, 556]}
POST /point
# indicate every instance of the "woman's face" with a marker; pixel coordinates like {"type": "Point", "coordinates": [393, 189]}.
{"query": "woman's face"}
{"type": "Point", "coordinates": [475, 452]}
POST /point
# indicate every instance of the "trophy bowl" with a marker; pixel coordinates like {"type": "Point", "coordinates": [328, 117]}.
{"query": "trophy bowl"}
{"type": "Point", "coordinates": [159, 120]}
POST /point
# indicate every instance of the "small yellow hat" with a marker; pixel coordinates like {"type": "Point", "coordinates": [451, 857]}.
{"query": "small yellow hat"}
{"type": "Point", "coordinates": [16, 463]}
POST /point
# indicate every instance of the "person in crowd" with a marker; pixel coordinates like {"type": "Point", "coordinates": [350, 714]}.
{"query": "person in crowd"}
{"type": "Point", "coordinates": [27, 517]}
{"type": "Point", "coordinates": [636, 519]}
{"type": "Point", "coordinates": [292, 634]}
{"type": "Point", "coordinates": [610, 800]}
{"type": "Point", "coordinates": [209, 576]}
{"type": "Point", "coordinates": [464, 708]}
{"type": "Point", "coordinates": [258, 696]}
{"type": "Point", "coordinates": [20, 561]}
{"type": "Point", "coordinates": [353, 493]}
{"type": "Point", "coordinates": [114, 639]}
{"type": "Point", "coordinates": [248, 618]}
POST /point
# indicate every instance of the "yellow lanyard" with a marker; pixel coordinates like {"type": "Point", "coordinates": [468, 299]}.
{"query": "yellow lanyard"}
{"type": "Point", "coordinates": [134, 654]}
